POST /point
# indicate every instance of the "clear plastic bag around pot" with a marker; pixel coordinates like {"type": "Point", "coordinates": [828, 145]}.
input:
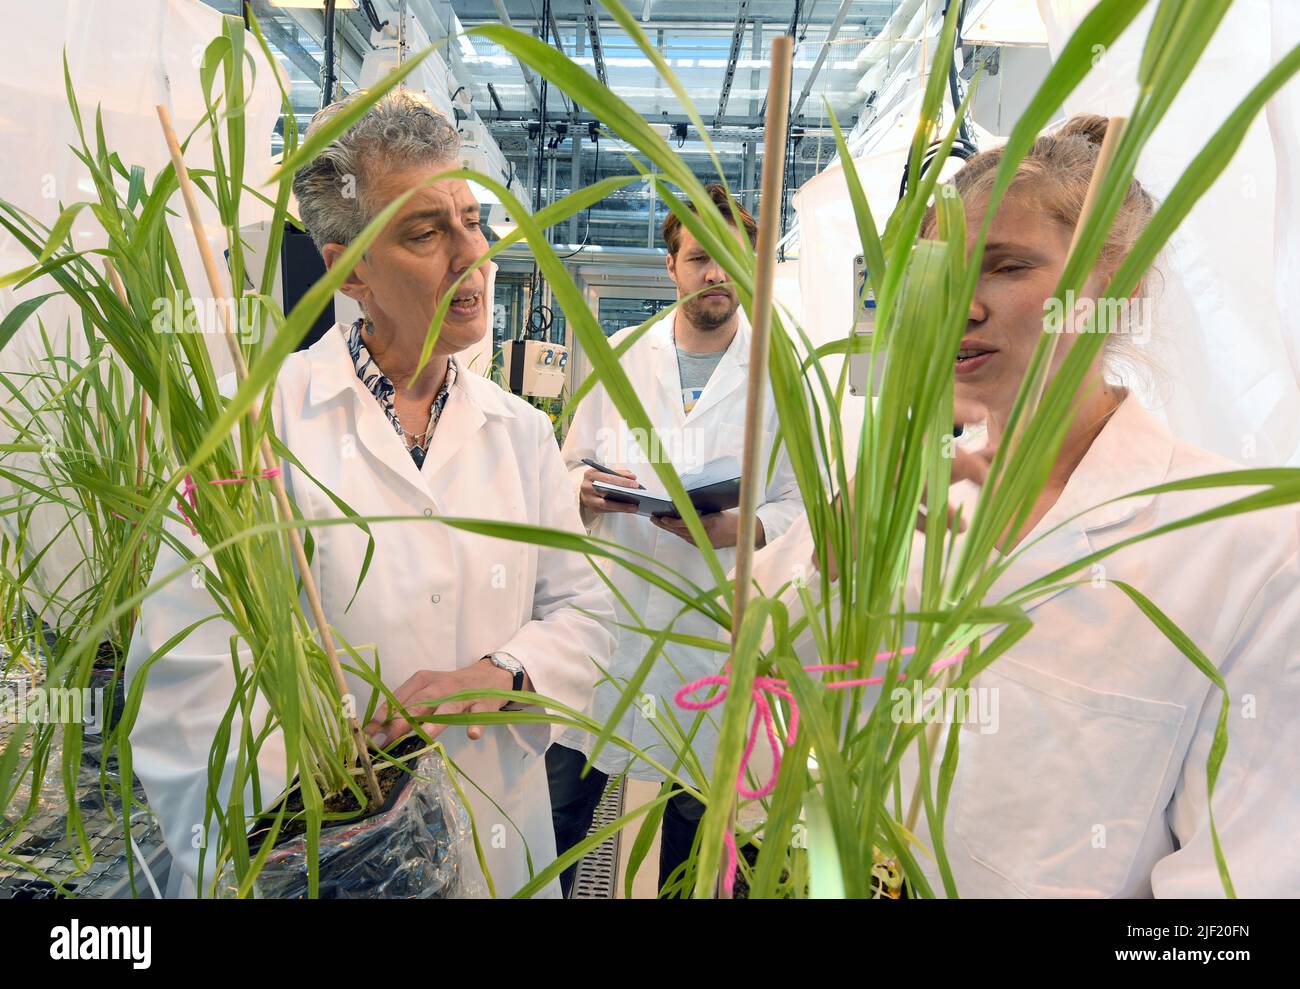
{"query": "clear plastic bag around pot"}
{"type": "Point", "coordinates": [418, 846]}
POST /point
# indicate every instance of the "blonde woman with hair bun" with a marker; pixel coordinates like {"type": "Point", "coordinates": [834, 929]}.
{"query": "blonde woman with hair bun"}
{"type": "Point", "coordinates": [1085, 775]}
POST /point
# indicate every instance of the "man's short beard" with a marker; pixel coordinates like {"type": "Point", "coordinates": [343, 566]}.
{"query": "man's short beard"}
{"type": "Point", "coordinates": [702, 319]}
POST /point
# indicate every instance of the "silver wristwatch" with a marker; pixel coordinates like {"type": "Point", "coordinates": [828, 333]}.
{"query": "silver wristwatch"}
{"type": "Point", "coordinates": [504, 661]}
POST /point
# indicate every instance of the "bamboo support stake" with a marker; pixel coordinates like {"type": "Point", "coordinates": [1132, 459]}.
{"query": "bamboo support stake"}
{"type": "Point", "coordinates": [769, 232]}
{"type": "Point", "coordinates": [268, 456]}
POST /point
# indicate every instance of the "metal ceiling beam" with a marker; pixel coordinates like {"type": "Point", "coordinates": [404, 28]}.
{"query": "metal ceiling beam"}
{"type": "Point", "coordinates": [509, 128]}
{"type": "Point", "coordinates": [794, 24]}
{"type": "Point", "coordinates": [655, 24]}
{"type": "Point", "coordinates": [525, 116]}
{"type": "Point", "coordinates": [559, 46]}
{"type": "Point", "coordinates": [737, 33]}
{"type": "Point", "coordinates": [313, 23]}
{"type": "Point", "coordinates": [528, 76]}
{"type": "Point", "coordinates": [836, 24]}
{"type": "Point", "coordinates": [593, 33]}
{"type": "Point", "coordinates": [700, 16]}
{"type": "Point", "coordinates": [287, 44]}
{"type": "Point", "coordinates": [749, 164]}
{"type": "Point", "coordinates": [555, 33]}
{"type": "Point", "coordinates": [575, 138]}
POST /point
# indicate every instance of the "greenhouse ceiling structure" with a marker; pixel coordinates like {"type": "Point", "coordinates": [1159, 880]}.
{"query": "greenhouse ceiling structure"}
{"type": "Point", "coordinates": [718, 51]}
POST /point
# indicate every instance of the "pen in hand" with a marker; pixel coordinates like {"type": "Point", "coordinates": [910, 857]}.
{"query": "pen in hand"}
{"type": "Point", "coordinates": [605, 470]}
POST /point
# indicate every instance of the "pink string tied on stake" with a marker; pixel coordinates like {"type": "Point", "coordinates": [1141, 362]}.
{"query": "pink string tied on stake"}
{"type": "Point", "coordinates": [189, 487]}
{"type": "Point", "coordinates": [762, 716]}
{"type": "Point", "coordinates": [935, 667]}
{"type": "Point", "coordinates": [763, 686]}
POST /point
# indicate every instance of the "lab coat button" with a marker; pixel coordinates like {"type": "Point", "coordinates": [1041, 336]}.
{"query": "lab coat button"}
{"type": "Point", "coordinates": [428, 512]}
{"type": "Point", "coordinates": [436, 598]}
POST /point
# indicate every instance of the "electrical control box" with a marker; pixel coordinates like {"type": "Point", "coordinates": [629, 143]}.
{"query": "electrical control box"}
{"type": "Point", "coordinates": [864, 328]}
{"type": "Point", "coordinates": [535, 367]}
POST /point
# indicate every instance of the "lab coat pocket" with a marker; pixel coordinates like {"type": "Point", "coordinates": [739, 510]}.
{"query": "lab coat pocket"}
{"type": "Point", "coordinates": [730, 439]}
{"type": "Point", "coordinates": [1056, 793]}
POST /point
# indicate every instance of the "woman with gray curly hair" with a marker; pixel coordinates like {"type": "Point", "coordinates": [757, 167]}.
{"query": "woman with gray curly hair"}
{"type": "Point", "coordinates": [446, 610]}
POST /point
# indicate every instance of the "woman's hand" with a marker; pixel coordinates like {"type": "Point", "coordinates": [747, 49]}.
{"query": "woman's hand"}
{"type": "Point", "coordinates": [966, 466]}
{"type": "Point", "coordinates": [428, 685]}
{"type": "Point", "coordinates": [722, 528]}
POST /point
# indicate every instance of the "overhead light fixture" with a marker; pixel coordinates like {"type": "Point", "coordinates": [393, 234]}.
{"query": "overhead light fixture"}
{"type": "Point", "coordinates": [314, 4]}
{"type": "Point", "coordinates": [1007, 22]}
{"type": "Point", "coordinates": [484, 195]}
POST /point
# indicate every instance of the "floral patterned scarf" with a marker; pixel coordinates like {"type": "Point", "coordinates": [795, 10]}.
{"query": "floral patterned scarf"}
{"type": "Point", "coordinates": [377, 382]}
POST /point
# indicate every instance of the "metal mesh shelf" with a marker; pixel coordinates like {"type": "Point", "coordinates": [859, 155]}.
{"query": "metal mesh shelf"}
{"type": "Point", "coordinates": [44, 845]}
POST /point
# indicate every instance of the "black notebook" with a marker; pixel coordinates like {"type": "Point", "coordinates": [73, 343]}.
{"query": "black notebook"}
{"type": "Point", "coordinates": [712, 487]}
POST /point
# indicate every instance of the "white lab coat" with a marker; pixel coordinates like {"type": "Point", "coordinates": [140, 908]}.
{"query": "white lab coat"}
{"type": "Point", "coordinates": [435, 598]}
{"type": "Point", "coordinates": [1093, 783]}
{"type": "Point", "coordinates": [714, 428]}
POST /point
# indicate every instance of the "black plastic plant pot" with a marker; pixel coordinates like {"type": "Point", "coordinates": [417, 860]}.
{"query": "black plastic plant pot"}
{"type": "Point", "coordinates": [106, 675]}
{"type": "Point", "coordinates": [410, 847]}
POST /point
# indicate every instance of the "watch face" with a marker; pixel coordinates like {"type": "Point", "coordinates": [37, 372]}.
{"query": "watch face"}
{"type": "Point", "coordinates": [508, 663]}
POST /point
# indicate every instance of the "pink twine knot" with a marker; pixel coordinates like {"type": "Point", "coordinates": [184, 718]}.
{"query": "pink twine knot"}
{"type": "Point", "coordinates": [762, 716]}
{"type": "Point", "coordinates": [764, 685]}
{"type": "Point", "coordinates": [189, 487]}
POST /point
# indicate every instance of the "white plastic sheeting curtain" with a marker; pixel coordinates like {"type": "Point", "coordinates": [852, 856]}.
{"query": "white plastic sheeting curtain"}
{"type": "Point", "coordinates": [1226, 343]}
{"type": "Point", "coordinates": [1227, 334]}
{"type": "Point", "coordinates": [828, 237]}
{"type": "Point", "coordinates": [827, 233]}
{"type": "Point", "coordinates": [828, 243]}
{"type": "Point", "coordinates": [125, 57]}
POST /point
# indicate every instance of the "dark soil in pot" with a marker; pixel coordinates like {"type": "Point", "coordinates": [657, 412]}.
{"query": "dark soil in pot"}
{"type": "Point", "coordinates": [107, 663]}
{"type": "Point", "coordinates": [392, 781]}
{"type": "Point", "coordinates": [750, 855]}
{"type": "Point", "coordinates": [411, 847]}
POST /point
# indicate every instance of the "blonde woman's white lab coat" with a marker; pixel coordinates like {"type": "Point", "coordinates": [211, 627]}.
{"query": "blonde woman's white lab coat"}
{"type": "Point", "coordinates": [714, 428]}
{"type": "Point", "coordinates": [435, 598]}
{"type": "Point", "coordinates": [1093, 781]}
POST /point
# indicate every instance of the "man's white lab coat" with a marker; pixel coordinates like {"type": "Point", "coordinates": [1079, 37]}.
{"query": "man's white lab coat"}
{"type": "Point", "coordinates": [1093, 781]}
{"type": "Point", "coordinates": [714, 428]}
{"type": "Point", "coordinates": [435, 598]}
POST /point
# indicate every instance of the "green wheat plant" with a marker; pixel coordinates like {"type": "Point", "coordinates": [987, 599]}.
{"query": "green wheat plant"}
{"type": "Point", "coordinates": [82, 456]}
{"type": "Point", "coordinates": [195, 427]}
{"type": "Point", "coordinates": [199, 429]}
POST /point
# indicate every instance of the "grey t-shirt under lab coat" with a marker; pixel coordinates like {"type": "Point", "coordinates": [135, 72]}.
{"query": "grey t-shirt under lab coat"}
{"type": "Point", "coordinates": [695, 371]}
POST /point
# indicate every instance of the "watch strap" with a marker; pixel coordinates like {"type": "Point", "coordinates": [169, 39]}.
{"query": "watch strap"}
{"type": "Point", "coordinates": [517, 683]}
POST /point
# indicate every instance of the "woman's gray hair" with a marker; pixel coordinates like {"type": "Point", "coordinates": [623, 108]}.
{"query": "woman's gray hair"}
{"type": "Point", "coordinates": [402, 129]}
